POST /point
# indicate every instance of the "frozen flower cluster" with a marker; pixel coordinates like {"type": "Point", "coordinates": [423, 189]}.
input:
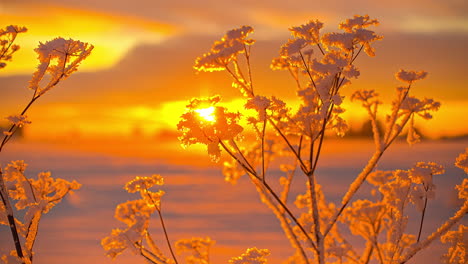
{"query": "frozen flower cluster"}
{"type": "Point", "coordinates": [198, 248]}
{"type": "Point", "coordinates": [36, 196]}
{"type": "Point", "coordinates": [19, 120]}
{"type": "Point", "coordinates": [59, 58]}
{"type": "Point", "coordinates": [225, 50]}
{"type": "Point", "coordinates": [198, 129]}
{"type": "Point", "coordinates": [7, 38]}
{"type": "Point", "coordinates": [143, 183]}
{"type": "Point", "coordinates": [136, 215]}
{"type": "Point", "coordinates": [251, 256]}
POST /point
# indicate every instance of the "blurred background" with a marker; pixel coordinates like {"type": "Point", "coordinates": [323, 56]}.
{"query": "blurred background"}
{"type": "Point", "coordinates": [116, 117]}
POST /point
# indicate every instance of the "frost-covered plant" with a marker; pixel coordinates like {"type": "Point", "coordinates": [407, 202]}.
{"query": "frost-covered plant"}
{"type": "Point", "coordinates": [321, 65]}
{"type": "Point", "coordinates": [58, 59]}
{"type": "Point", "coordinates": [136, 215]}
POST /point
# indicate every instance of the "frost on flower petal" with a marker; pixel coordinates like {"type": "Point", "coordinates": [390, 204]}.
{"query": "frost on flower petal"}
{"type": "Point", "coordinates": [143, 183]}
{"type": "Point", "coordinates": [462, 161]}
{"type": "Point", "coordinates": [19, 120]}
{"type": "Point", "coordinates": [251, 256]}
{"type": "Point", "coordinates": [410, 76]}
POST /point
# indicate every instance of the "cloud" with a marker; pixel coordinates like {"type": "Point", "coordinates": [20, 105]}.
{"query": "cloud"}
{"type": "Point", "coordinates": [113, 35]}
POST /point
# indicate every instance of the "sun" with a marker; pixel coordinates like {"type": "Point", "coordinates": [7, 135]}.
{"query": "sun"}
{"type": "Point", "coordinates": [207, 113]}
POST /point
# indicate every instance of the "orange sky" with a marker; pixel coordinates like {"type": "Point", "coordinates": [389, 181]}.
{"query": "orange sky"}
{"type": "Point", "coordinates": [147, 48]}
{"type": "Point", "coordinates": [127, 97]}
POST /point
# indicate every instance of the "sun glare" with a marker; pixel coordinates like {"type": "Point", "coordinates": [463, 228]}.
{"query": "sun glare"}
{"type": "Point", "coordinates": [207, 113]}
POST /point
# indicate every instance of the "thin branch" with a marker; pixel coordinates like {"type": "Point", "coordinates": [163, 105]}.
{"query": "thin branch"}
{"type": "Point", "coordinates": [422, 216]}
{"type": "Point", "coordinates": [242, 154]}
{"type": "Point", "coordinates": [303, 166]}
{"type": "Point", "coordinates": [272, 192]}
{"type": "Point", "coordinates": [279, 212]}
{"type": "Point", "coordinates": [10, 216]}
{"type": "Point", "coordinates": [166, 235]}
{"type": "Point", "coordinates": [437, 234]}
{"type": "Point", "coordinates": [247, 56]}
{"type": "Point", "coordinates": [307, 69]}
{"type": "Point", "coordinates": [354, 187]}
{"type": "Point", "coordinates": [263, 148]}
{"type": "Point", "coordinates": [247, 169]}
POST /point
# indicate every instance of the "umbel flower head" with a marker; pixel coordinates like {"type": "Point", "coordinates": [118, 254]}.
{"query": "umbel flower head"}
{"type": "Point", "coordinates": [225, 50]}
{"type": "Point", "coordinates": [206, 123]}
{"type": "Point", "coordinates": [60, 58]}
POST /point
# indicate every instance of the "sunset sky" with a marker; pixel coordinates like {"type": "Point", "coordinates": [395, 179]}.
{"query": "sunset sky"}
{"type": "Point", "coordinates": [147, 48]}
{"type": "Point", "coordinates": [127, 97]}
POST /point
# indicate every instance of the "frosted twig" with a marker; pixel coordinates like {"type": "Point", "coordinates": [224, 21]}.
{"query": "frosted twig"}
{"type": "Point", "coordinates": [279, 212]}
{"type": "Point", "coordinates": [353, 188]}
{"type": "Point", "coordinates": [440, 231]}
{"type": "Point", "coordinates": [11, 217]}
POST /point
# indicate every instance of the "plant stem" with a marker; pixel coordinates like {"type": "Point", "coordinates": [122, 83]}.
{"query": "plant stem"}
{"type": "Point", "coordinates": [166, 235]}
{"type": "Point", "coordinates": [10, 216]}
{"type": "Point", "coordinates": [353, 188]}
{"type": "Point", "coordinates": [415, 248]}
{"type": "Point", "coordinates": [422, 218]}
{"type": "Point", "coordinates": [272, 192]}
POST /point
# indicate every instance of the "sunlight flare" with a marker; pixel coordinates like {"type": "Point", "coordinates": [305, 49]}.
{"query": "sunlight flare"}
{"type": "Point", "coordinates": [207, 113]}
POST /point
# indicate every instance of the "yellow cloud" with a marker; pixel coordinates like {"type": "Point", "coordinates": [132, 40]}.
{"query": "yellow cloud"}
{"type": "Point", "coordinates": [112, 35]}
